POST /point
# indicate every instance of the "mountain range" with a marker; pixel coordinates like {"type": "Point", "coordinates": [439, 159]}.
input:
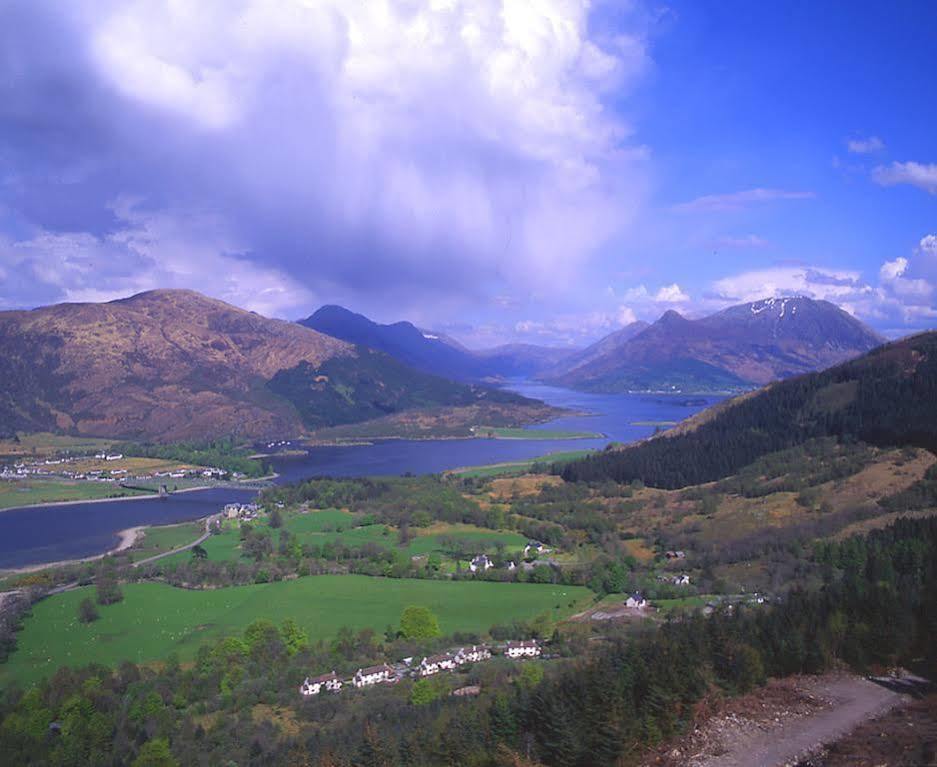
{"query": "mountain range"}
{"type": "Point", "coordinates": [740, 347]}
{"type": "Point", "coordinates": [173, 364]}
{"type": "Point", "coordinates": [434, 352]}
{"type": "Point", "coordinates": [885, 397]}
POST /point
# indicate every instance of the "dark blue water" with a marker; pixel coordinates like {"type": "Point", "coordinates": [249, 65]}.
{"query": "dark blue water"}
{"type": "Point", "coordinates": [52, 533]}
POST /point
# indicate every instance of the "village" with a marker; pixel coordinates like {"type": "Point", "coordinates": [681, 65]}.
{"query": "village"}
{"type": "Point", "coordinates": [430, 666]}
{"type": "Point", "coordinates": [102, 467]}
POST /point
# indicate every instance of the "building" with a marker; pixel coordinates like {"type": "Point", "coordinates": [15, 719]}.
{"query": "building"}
{"type": "Point", "coordinates": [314, 686]}
{"type": "Point", "coordinates": [481, 562]}
{"type": "Point", "coordinates": [636, 601]}
{"type": "Point", "coordinates": [472, 654]}
{"type": "Point", "coordinates": [534, 546]}
{"type": "Point", "coordinates": [470, 690]}
{"type": "Point", "coordinates": [364, 677]}
{"type": "Point", "coordinates": [511, 565]}
{"type": "Point", "coordinates": [675, 554]}
{"type": "Point", "coordinates": [433, 664]}
{"type": "Point", "coordinates": [524, 649]}
{"type": "Point", "coordinates": [681, 580]}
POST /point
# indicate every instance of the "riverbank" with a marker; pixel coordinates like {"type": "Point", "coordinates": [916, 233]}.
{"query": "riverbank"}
{"type": "Point", "coordinates": [110, 499]}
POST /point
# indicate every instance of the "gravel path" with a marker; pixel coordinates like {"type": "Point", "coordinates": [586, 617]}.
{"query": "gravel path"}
{"type": "Point", "coordinates": [849, 701]}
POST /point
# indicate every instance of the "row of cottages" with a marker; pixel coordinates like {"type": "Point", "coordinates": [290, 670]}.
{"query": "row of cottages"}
{"type": "Point", "coordinates": [314, 686]}
{"type": "Point", "coordinates": [433, 664]}
{"type": "Point", "coordinates": [524, 649]}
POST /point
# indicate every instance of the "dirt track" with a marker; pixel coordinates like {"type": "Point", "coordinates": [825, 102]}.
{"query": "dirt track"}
{"type": "Point", "coordinates": [782, 724]}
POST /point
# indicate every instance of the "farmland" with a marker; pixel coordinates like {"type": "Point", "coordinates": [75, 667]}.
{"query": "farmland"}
{"type": "Point", "coordinates": [14, 494]}
{"type": "Point", "coordinates": [155, 620]}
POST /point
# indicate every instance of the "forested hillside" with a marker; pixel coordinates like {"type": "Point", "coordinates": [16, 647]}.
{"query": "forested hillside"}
{"type": "Point", "coordinates": [886, 397]}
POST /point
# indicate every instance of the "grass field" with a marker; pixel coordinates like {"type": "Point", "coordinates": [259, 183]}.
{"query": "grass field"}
{"type": "Point", "coordinates": [155, 620]}
{"type": "Point", "coordinates": [17, 493]}
{"type": "Point", "coordinates": [45, 444]}
{"type": "Point", "coordinates": [335, 525]}
{"type": "Point", "coordinates": [165, 538]}
{"type": "Point", "coordinates": [519, 467]}
{"type": "Point", "coordinates": [502, 432]}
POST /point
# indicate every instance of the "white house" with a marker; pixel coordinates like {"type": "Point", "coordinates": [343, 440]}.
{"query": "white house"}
{"type": "Point", "coordinates": [524, 649]}
{"type": "Point", "coordinates": [512, 565]}
{"type": "Point", "coordinates": [365, 677]}
{"type": "Point", "coordinates": [681, 580]}
{"type": "Point", "coordinates": [314, 686]}
{"type": "Point", "coordinates": [636, 601]}
{"type": "Point", "coordinates": [472, 654]}
{"type": "Point", "coordinates": [534, 546]}
{"type": "Point", "coordinates": [433, 664]}
{"type": "Point", "coordinates": [675, 554]}
{"type": "Point", "coordinates": [481, 562]}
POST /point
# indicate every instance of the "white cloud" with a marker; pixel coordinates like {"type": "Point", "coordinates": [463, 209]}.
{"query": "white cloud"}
{"type": "Point", "coordinates": [626, 315]}
{"type": "Point", "coordinates": [733, 201]}
{"type": "Point", "coordinates": [921, 175]}
{"type": "Point", "coordinates": [891, 270]}
{"type": "Point", "coordinates": [814, 282]}
{"type": "Point", "coordinates": [928, 245]}
{"type": "Point", "coordinates": [671, 294]}
{"type": "Point", "coordinates": [741, 241]}
{"type": "Point", "coordinates": [868, 145]}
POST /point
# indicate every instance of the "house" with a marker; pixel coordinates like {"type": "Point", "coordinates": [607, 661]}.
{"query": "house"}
{"type": "Point", "coordinates": [534, 546]}
{"type": "Point", "coordinates": [481, 562]}
{"type": "Point", "coordinates": [524, 649]}
{"type": "Point", "coordinates": [472, 654]}
{"type": "Point", "coordinates": [681, 580]}
{"type": "Point", "coordinates": [636, 601]}
{"type": "Point", "coordinates": [675, 554]}
{"type": "Point", "coordinates": [365, 677]}
{"type": "Point", "coordinates": [314, 686]}
{"type": "Point", "coordinates": [433, 664]}
{"type": "Point", "coordinates": [231, 510]}
{"type": "Point", "coordinates": [512, 565]}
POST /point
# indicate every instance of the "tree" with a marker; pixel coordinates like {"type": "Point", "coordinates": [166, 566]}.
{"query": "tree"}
{"type": "Point", "coordinates": [419, 623]}
{"type": "Point", "coordinates": [293, 636]}
{"type": "Point", "coordinates": [425, 691]}
{"type": "Point", "coordinates": [155, 753]}
{"type": "Point", "coordinates": [87, 612]}
{"type": "Point", "coordinates": [108, 590]}
{"type": "Point", "coordinates": [198, 552]}
{"type": "Point", "coordinates": [276, 518]}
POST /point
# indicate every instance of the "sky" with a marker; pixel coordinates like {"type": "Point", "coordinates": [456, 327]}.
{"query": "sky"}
{"type": "Point", "coordinates": [543, 171]}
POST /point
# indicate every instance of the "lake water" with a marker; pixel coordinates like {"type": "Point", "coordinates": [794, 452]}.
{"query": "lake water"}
{"type": "Point", "coordinates": [51, 533]}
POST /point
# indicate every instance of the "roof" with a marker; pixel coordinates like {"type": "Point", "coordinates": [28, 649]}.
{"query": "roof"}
{"type": "Point", "coordinates": [523, 643]}
{"type": "Point", "coordinates": [438, 658]}
{"type": "Point", "coordinates": [375, 669]}
{"type": "Point", "coordinates": [322, 678]}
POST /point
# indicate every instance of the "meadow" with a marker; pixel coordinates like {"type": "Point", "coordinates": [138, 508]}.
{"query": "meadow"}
{"type": "Point", "coordinates": [155, 620]}
{"type": "Point", "coordinates": [16, 493]}
{"type": "Point", "coordinates": [512, 468]}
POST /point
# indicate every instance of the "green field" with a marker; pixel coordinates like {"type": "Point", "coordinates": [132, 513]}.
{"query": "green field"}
{"type": "Point", "coordinates": [165, 538]}
{"type": "Point", "coordinates": [520, 467]}
{"type": "Point", "coordinates": [334, 526]}
{"type": "Point", "coordinates": [16, 493]}
{"type": "Point", "coordinates": [155, 620]}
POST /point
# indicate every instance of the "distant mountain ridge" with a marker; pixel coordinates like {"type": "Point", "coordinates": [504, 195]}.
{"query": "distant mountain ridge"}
{"type": "Point", "coordinates": [174, 364]}
{"type": "Point", "coordinates": [737, 348]}
{"type": "Point", "coordinates": [885, 397]}
{"type": "Point", "coordinates": [433, 352]}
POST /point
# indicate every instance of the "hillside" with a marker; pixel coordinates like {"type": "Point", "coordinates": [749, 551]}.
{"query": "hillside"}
{"type": "Point", "coordinates": [740, 347]}
{"type": "Point", "coordinates": [433, 352]}
{"type": "Point", "coordinates": [884, 398]}
{"type": "Point", "coordinates": [172, 364]}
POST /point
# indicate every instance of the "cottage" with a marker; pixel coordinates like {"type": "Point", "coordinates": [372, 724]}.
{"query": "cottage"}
{"type": "Point", "coordinates": [534, 546]}
{"type": "Point", "coordinates": [524, 649]}
{"type": "Point", "coordinates": [314, 686]}
{"type": "Point", "coordinates": [675, 554]}
{"type": "Point", "coordinates": [681, 580]}
{"type": "Point", "coordinates": [433, 664]}
{"type": "Point", "coordinates": [481, 562]}
{"type": "Point", "coordinates": [364, 677]}
{"type": "Point", "coordinates": [636, 601]}
{"type": "Point", "coordinates": [472, 654]}
{"type": "Point", "coordinates": [511, 565]}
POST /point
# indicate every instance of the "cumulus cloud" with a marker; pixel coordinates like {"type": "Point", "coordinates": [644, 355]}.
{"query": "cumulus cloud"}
{"type": "Point", "coordinates": [921, 175]}
{"type": "Point", "coordinates": [868, 145]}
{"type": "Point", "coordinates": [393, 147]}
{"type": "Point", "coordinates": [671, 294]}
{"type": "Point", "coordinates": [791, 280]}
{"type": "Point", "coordinates": [891, 270]}
{"type": "Point", "coordinates": [741, 241]}
{"type": "Point", "coordinates": [733, 201]}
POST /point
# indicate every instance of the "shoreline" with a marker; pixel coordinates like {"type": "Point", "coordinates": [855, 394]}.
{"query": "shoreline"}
{"type": "Point", "coordinates": [126, 539]}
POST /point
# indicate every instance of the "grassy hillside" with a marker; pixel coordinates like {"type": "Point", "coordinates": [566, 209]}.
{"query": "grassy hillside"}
{"type": "Point", "coordinates": [883, 398]}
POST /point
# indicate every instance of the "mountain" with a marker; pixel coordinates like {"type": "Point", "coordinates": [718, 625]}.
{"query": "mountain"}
{"type": "Point", "coordinates": [604, 347]}
{"type": "Point", "coordinates": [737, 348]}
{"type": "Point", "coordinates": [173, 364]}
{"type": "Point", "coordinates": [433, 352]}
{"type": "Point", "coordinates": [884, 398]}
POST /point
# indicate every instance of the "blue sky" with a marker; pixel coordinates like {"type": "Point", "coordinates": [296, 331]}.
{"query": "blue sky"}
{"type": "Point", "coordinates": [541, 171]}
